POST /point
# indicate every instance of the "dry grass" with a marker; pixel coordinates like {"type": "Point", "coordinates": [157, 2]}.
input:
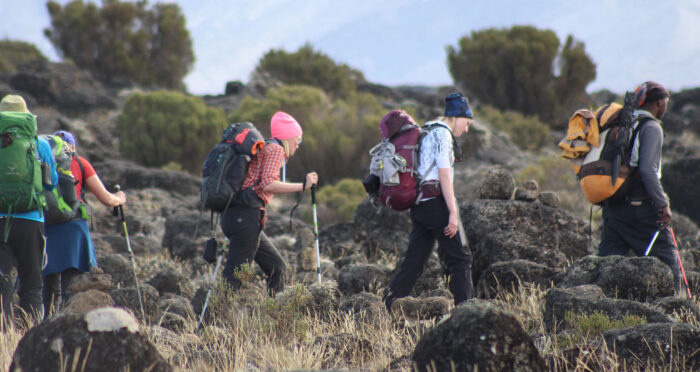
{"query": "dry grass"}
{"type": "Point", "coordinates": [250, 332]}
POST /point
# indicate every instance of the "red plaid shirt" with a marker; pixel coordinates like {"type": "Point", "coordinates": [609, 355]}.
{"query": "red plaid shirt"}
{"type": "Point", "coordinates": [265, 167]}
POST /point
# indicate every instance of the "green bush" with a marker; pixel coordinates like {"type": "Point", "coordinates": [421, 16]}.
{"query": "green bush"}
{"type": "Point", "coordinates": [526, 131]}
{"type": "Point", "coordinates": [522, 68]}
{"type": "Point", "coordinates": [341, 199]}
{"type": "Point", "coordinates": [308, 67]}
{"type": "Point", "coordinates": [338, 133]}
{"type": "Point", "coordinates": [124, 40]}
{"type": "Point", "coordinates": [14, 53]}
{"type": "Point", "coordinates": [158, 128]}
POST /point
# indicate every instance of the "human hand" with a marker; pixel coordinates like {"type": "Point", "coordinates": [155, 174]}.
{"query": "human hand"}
{"type": "Point", "coordinates": [121, 196]}
{"type": "Point", "coordinates": [664, 217]}
{"type": "Point", "coordinates": [311, 179]}
{"type": "Point", "coordinates": [452, 225]}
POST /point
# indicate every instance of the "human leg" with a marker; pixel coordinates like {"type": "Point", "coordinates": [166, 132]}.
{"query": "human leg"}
{"type": "Point", "coordinates": [420, 245]}
{"type": "Point", "coordinates": [27, 240]}
{"type": "Point", "coordinates": [52, 293]}
{"type": "Point", "coordinates": [7, 263]}
{"type": "Point", "coordinates": [611, 242]}
{"type": "Point", "coordinates": [67, 277]}
{"type": "Point", "coordinates": [272, 264]}
{"type": "Point", "coordinates": [242, 226]}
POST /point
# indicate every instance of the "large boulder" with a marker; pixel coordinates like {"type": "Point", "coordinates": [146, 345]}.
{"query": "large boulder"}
{"type": "Point", "coordinates": [504, 230]}
{"type": "Point", "coordinates": [508, 275]}
{"type": "Point", "coordinates": [128, 298]}
{"type": "Point", "coordinates": [672, 346]}
{"type": "Point", "coordinates": [118, 268]}
{"type": "Point", "coordinates": [101, 340]}
{"type": "Point", "coordinates": [587, 299]}
{"type": "Point", "coordinates": [83, 302]}
{"type": "Point", "coordinates": [171, 280]}
{"type": "Point", "coordinates": [678, 180]}
{"type": "Point", "coordinates": [477, 336]}
{"type": "Point", "coordinates": [363, 307]}
{"type": "Point", "coordinates": [63, 86]}
{"type": "Point", "coordinates": [637, 278]}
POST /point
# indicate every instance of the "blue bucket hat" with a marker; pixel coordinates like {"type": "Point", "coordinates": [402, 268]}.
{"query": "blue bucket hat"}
{"type": "Point", "coordinates": [66, 136]}
{"type": "Point", "coordinates": [457, 105]}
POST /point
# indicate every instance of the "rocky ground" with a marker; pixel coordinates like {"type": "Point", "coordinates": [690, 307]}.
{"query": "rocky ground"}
{"type": "Point", "coordinates": [520, 237]}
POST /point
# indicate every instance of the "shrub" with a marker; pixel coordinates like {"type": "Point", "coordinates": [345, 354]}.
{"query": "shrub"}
{"type": "Point", "coordinates": [339, 202]}
{"type": "Point", "coordinates": [308, 67]}
{"type": "Point", "coordinates": [158, 128]}
{"type": "Point", "coordinates": [338, 133]}
{"type": "Point", "coordinates": [522, 68]}
{"type": "Point", "coordinates": [526, 131]}
{"type": "Point", "coordinates": [124, 40]}
{"type": "Point", "coordinates": [14, 53]}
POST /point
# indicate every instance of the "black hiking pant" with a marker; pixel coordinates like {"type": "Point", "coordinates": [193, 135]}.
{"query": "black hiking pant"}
{"type": "Point", "coordinates": [429, 219]}
{"type": "Point", "coordinates": [24, 251]}
{"type": "Point", "coordinates": [242, 225]}
{"type": "Point", "coordinates": [631, 225]}
{"type": "Point", "coordinates": [56, 291]}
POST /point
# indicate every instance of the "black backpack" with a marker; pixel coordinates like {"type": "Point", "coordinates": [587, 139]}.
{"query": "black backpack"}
{"type": "Point", "coordinates": [226, 165]}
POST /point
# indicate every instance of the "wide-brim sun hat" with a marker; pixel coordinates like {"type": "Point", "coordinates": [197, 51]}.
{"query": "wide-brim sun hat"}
{"type": "Point", "coordinates": [14, 103]}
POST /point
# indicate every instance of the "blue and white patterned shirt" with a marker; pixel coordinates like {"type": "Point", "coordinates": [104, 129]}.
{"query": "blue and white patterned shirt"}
{"type": "Point", "coordinates": [436, 150]}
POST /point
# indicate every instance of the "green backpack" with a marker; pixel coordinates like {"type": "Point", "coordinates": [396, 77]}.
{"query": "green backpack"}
{"type": "Point", "coordinates": [62, 203]}
{"type": "Point", "coordinates": [21, 188]}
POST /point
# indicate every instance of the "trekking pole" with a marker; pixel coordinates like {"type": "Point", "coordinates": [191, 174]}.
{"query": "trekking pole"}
{"type": "Point", "coordinates": [651, 243]}
{"type": "Point", "coordinates": [216, 272]}
{"type": "Point", "coordinates": [318, 252]}
{"type": "Point", "coordinates": [119, 210]}
{"type": "Point", "coordinates": [678, 254]}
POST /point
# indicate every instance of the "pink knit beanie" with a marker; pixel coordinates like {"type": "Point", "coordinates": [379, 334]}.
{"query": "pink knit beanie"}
{"type": "Point", "coordinates": [284, 126]}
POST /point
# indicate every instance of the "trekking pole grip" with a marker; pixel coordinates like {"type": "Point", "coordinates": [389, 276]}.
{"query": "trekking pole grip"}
{"type": "Point", "coordinates": [118, 211]}
{"type": "Point", "coordinates": [313, 194]}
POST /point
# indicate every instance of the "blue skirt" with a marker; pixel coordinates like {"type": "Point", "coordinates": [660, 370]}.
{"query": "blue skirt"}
{"type": "Point", "coordinates": [68, 245]}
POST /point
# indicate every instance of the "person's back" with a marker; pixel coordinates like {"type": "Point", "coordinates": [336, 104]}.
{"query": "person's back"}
{"type": "Point", "coordinates": [23, 235]}
{"type": "Point", "coordinates": [633, 222]}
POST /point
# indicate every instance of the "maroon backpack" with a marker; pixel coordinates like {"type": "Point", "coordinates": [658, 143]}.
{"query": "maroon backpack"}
{"type": "Point", "coordinates": [400, 130]}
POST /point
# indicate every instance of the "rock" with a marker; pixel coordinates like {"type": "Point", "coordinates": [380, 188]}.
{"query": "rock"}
{"type": "Point", "coordinates": [587, 299]}
{"type": "Point", "coordinates": [684, 227]}
{"type": "Point", "coordinates": [306, 259]}
{"type": "Point", "coordinates": [678, 175]}
{"type": "Point", "coordinates": [501, 230]}
{"type": "Point", "coordinates": [128, 299]}
{"type": "Point", "coordinates": [525, 195]}
{"type": "Point", "coordinates": [550, 199]}
{"type": "Point", "coordinates": [497, 184]}
{"type": "Point", "coordinates": [477, 336]}
{"type": "Point", "coordinates": [379, 243]}
{"type": "Point", "coordinates": [119, 268]}
{"type": "Point", "coordinates": [175, 313]}
{"type": "Point", "coordinates": [179, 237]}
{"type": "Point", "coordinates": [421, 308]}
{"type": "Point", "coordinates": [170, 280]}
{"type": "Point", "coordinates": [338, 240]}
{"type": "Point", "coordinates": [651, 345]}
{"type": "Point", "coordinates": [369, 217]}
{"type": "Point", "coordinates": [85, 301]}
{"type": "Point", "coordinates": [364, 307]}
{"type": "Point", "coordinates": [304, 240]}
{"type": "Point", "coordinates": [111, 335]}
{"type": "Point", "coordinates": [343, 346]}
{"type": "Point", "coordinates": [95, 279]}
{"type": "Point", "coordinates": [508, 275]}
{"type": "Point", "coordinates": [356, 278]}
{"type": "Point", "coordinates": [638, 278]}
{"type": "Point", "coordinates": [324, 298]}
{"type": "Point", "coordinates": [63, 86]}
{"type": "Point", "coordinates": [681, 308]}
{"type": "Point", "coordinates": [132, 176]}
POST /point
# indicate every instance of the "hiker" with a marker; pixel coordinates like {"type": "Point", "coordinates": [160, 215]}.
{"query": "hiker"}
{"type": "Point", "coordinates": [243, 222]}
{"type": "Point", "coordinates": [632, 222]}
{"type": "Point", "coordinates": [22, 244]}
{"type": "Point", "coordinates": [68, 244]}
{"type": "Point", "coordinates": [436, 216]}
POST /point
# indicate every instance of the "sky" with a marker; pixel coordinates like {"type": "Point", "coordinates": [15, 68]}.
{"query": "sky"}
{"type": "Point", "coordinates": [402, 42]}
